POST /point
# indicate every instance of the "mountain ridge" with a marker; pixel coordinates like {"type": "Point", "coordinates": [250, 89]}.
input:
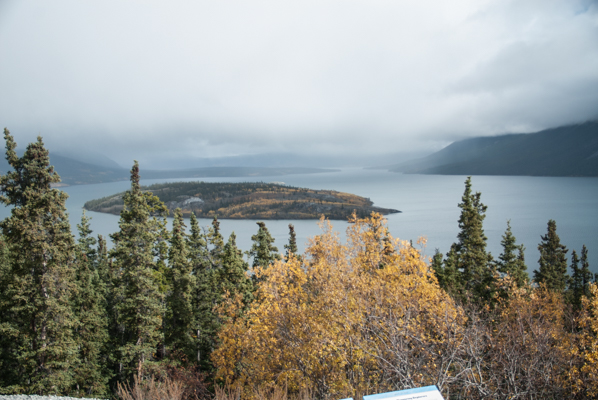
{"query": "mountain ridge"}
{"type": "Point", "coordinates": [563, 151]}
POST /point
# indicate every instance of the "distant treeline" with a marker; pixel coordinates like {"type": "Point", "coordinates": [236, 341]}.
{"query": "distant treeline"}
{"type": "Point", "coordinates": [182, 314]}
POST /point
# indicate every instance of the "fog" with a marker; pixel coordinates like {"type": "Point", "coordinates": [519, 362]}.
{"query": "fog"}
{"type": "Point", "coordinates": [171, 82]}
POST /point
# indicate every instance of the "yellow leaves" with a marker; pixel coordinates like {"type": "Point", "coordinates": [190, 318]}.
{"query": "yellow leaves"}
{"type": "Point", "coordinates": [327, 322]}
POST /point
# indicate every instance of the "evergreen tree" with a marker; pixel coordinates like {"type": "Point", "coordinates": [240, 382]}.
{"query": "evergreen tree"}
{"type": "Point", "coordinates": [91, 376]}
{"type": "Point", "coordinates": [204, 265]}
{"type": "Point", "coordinates": [510, 262]}
{"type": "Point", "coordinates": [291, 247]}
{"type": "Point", "coordinates": [581, 277]}
{"type": "Point", "coordinates": [473, 260]}
{"type": "Point", "coordinates": [233, 275]}
{"type": "Point", "coordinates": [138, 298]}
{"type": "Point", "coordinates": [449, 277]}
{"type": "Point", "coordinates": [180, 332]}
{"type": "Point", "coordinates": [38, 282]}
{"type": "Point", "coordinates": [216, 244]}
{"type": "Point", "coordinates": [586, 274]}
{"type": "Point", "coordinates": [553, 261]}
{"type": "Point", "coordinates": [263, 251]}
{"type": "Point", "coordinates": [468, 270]}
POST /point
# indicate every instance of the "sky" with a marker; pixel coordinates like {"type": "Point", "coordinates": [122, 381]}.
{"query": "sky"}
{"type": "Point", "coordinates": [156, 80]}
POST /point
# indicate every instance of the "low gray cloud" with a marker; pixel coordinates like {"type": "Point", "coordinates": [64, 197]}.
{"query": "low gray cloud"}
{"type": "Point", "coordinates": [140, 79]}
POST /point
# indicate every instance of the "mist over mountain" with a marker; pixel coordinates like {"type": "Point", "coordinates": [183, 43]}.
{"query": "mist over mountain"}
{"type": "Point", "coordinates": [75, 172]}
{"type": "Point", "coordinates": [564, 151]}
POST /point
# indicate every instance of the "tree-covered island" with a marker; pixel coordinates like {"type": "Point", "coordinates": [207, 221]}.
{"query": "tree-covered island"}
{"type": "Point", "coordinates": [249, 200]}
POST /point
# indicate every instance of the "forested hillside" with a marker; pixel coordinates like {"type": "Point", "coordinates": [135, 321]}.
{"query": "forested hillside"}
{"type": "Point", "coordinates": [181, 313]}
{"type": "Point", "coordinates": [249, 200]}
{"type": "Point", "coordinates": [564, 151]}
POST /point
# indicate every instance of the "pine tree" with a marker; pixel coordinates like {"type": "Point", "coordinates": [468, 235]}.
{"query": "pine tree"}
{"type": "Point", "coordinates": [91, 376]}
{"type": "Point", "coordinates": [263, 251]}
{"type": "Point", "coordinates": [512, 263]}
{"type": "Point", "coordinates": [553, 261]}
{"type": "Point", "coordinates": [216, 244]}
{"type": "Point", "coordinates": [581, 277]}
{"type": "Point", "coordinates": [449, 277]}
{"type": "Point", "coordinates": [291, 247]}
{"type": "Point", "coordinates": [205, 262]}
{"type": "Point", "coordinates": [468, 270]}
{"type": "Point", "coordinates": [473, 260]}
{"type": "Point", "coordinates": [233, 275]}
{"type": "Point", "coordinates": [37, 319]}
{"type": "Point", "coordinates": [180, 329]}
{"type": "Point", "coordinates": [138, 298]}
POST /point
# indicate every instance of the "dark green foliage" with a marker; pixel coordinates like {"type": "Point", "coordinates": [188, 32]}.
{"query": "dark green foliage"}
{"type": "Point", "coordinates": [468, 271]}
{"type": "Point", "coordinates": [205, 261]}
{"type": "Point", "coordinates": [581, 277]}
{"type": "Point", "coordinates": [233, 277]}
{"type": "Point", "coordinates": [262, 250]}
{"type": "Point", "coordinates": [449, 277]}
{"type": "Point", "coordinates": [553, 261]}
{"type": "Point", "coordinates": [181, 319]}
{"type": "Point", "coordinates": [291, 247]}
{"type": "Point", "coordinates": [216, 243]}
{"type": "Point", "coordinates": [138, 298]}
{"type": "Point", "coordinates": [510, 262]}
{"type": "Point", "coordinates": [38, 281]}
{"type": "Point", "coordinates": [91, 332]}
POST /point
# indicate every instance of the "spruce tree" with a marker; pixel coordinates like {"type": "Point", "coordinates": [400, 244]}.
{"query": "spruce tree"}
{"type": "Point", "coordinates": [204, 265]}
{"type": "Point", "coordinates": [138, 296]}
{"type": "Point", "coordinates": [553, 261]}
{"type": "Point", "coordinates": [91, 375]}
{"type": "Point", "coordinates": [263, 250]}
{"type": "Point", "coordinates": [233, 275]}
{"type": "Point", "coordinates": [580, 279]}
{"type": "Point", "coordinates": [512, 261]}
{"type": "Point", "coordinates": [215, 243]}
{"type": "Point", "coordinates": [468, 270]}
{"type": "Point", "coordinates": [474, 262]}
{"type": "Point", "coordinates": [37, 318]}
{"type": "Point", "coordinates": [291, 247]}
{"type": "Point", "coordinates": [180, 329]}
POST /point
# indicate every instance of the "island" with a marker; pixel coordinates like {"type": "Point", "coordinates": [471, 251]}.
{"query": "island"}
{"type": "Point", "coordinates": [249, 200]}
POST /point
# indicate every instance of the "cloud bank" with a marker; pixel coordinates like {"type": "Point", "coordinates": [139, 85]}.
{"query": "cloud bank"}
{"type": "Point", "coordinates": [142, 79]}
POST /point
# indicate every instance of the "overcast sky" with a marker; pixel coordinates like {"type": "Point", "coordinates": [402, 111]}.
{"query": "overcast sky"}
{"type": "Point", "coordinates": [134, 79]}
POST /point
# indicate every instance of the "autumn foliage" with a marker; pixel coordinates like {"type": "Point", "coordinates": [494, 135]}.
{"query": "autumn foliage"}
{"type": "Point", "coordinates": [336, 322]}
{"type": "Point", "coordinates": [368, 316]}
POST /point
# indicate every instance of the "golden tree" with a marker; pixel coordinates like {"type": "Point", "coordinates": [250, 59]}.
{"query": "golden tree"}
{"type": "Point", "coordinates": [349, 319]}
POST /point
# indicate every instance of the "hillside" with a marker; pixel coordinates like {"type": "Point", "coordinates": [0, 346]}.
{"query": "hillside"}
{"type": "Point", "coordinates": [249, 201]}
{"type": "Point", "coordinates": [75, 172]}
{"type": "Point", "coordinates": [564, 151]}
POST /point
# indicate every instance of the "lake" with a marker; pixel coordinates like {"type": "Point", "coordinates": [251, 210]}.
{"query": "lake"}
{"type": "Point", "coordinates": [428, 204]}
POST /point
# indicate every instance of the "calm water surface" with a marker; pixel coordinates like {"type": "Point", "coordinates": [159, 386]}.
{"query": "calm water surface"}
{"type": "Point", "coordinates": [428, 204]}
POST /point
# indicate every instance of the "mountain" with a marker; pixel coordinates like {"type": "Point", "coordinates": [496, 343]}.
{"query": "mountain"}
{"type": "Point", "coordinates": [74, 172]}
{"type": "Point", "coordinates": [564, 151]}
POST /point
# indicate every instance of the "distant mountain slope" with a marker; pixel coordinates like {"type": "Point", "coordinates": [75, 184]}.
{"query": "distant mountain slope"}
{"type": "Point", "coordinates": [73, 172]}
{"type": "Point", "coordinates": [564, 151]}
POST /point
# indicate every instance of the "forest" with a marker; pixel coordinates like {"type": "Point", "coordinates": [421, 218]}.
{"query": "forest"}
{"type": "Point", "coordinates": [248, 200]}
{"type": "Point", "coordinates": [184, 314]}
